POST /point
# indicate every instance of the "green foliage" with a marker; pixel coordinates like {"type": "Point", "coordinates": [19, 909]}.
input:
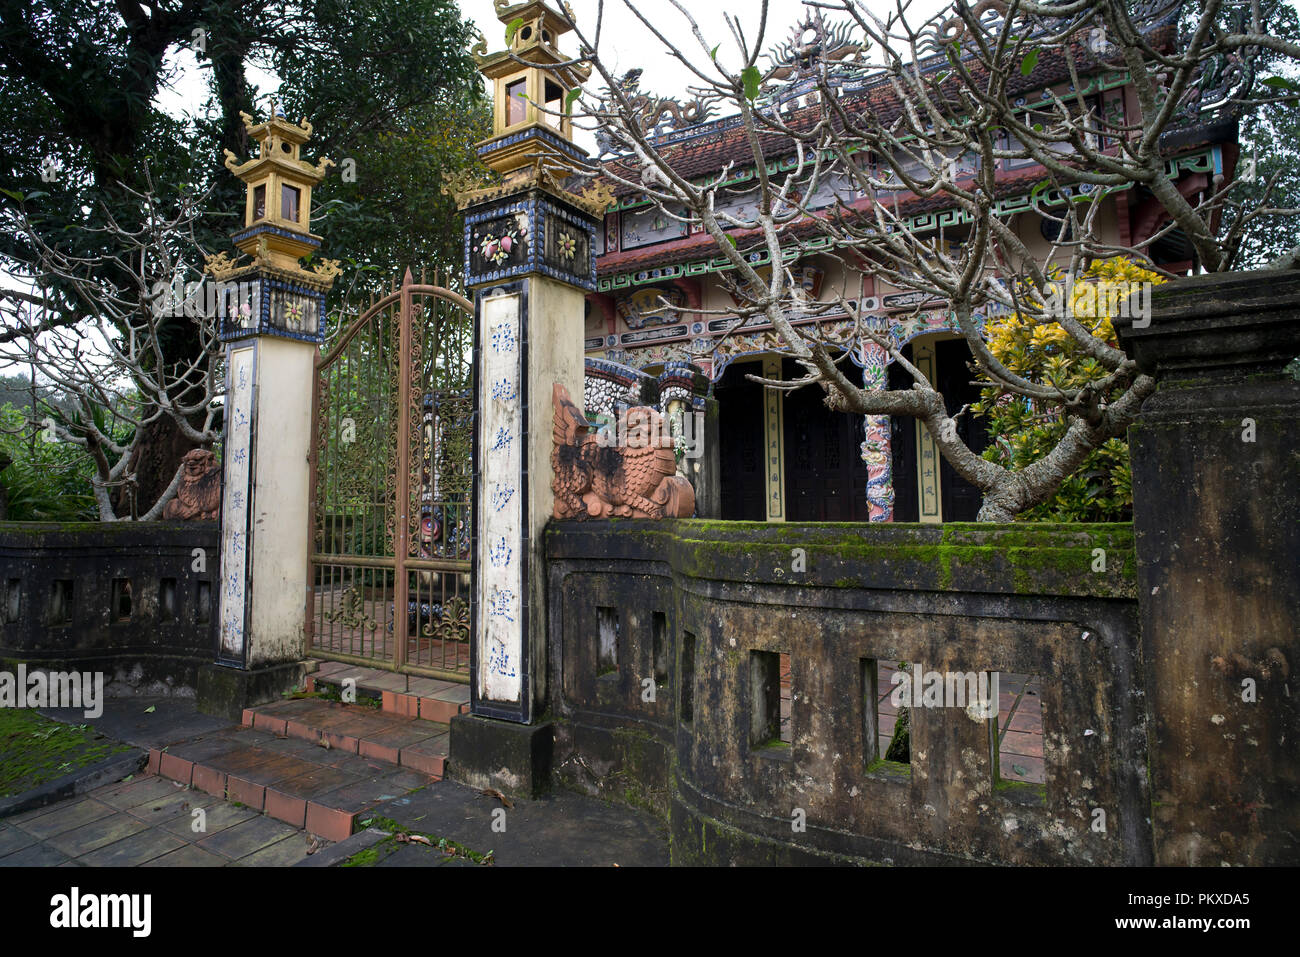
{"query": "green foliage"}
{"type": "Point", "coordinates": [1101, 489]}
{"type": "Point", "coordinates": [1270, 137]}
{"type": "Point", "coordinates": [35, 749]}
{"type": "Point", "coordinates": [43, 481]}
{"type": "Point", "coordinates": [400, 96]}
{"type": "Point", "coordinates": [389, 84]}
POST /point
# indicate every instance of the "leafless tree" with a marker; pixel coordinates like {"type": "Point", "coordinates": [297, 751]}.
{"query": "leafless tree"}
{"type": "Point", "coordinates": [113, 363]}
{"type": "Point", "coordinates": [948, 107]}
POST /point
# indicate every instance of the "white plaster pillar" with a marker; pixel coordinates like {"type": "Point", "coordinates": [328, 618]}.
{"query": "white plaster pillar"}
{"type": "Point", "coordinates": [265, 501]}
{"type": "Point", "coordinates": [529, 296]}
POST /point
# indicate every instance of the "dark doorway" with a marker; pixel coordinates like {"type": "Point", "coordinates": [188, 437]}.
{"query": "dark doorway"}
{"type": "Point", "coordinates": [826, 479]}
{"type": "Point", "coordinates": [907, 505]}
{"type": "Point", "coordinates": [740, 444]}
{"type": "Point", "coordinates": [961, 500]}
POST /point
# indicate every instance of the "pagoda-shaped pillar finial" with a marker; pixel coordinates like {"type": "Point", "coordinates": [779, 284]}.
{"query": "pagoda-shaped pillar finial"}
{"type": "Point", "coordinates": [287, 299]}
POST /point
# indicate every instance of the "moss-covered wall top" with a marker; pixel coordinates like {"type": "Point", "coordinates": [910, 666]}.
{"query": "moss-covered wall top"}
{"type": "Point", "coordinates": [1076, 560]}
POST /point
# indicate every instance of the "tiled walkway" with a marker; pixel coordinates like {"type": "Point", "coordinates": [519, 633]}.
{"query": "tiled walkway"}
{"type": "Point", "coordinates": [438, 699]}
{"type": "Point", "coordinates": [149, 822]}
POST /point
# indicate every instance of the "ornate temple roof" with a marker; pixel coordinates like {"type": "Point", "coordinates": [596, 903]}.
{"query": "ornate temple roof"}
{"type": "Point", "coordinates": [699, 147]}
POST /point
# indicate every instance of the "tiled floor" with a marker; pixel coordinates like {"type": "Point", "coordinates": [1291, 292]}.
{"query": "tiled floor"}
{"type": "Point", "coordinates": [380, 679]}
{"type": "Point", "coordinates": [149, 822]}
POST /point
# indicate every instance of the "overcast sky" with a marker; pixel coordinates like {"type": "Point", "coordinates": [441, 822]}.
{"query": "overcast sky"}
{"type": "Point", "coordinates": [624, 42]}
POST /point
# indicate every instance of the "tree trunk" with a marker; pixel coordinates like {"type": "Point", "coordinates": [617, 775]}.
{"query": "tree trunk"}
{"type": "Point", "coordinates": [154, 461]}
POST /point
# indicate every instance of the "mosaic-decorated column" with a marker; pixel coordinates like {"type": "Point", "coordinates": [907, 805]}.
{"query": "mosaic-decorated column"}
{"type": "Point", "coordinates": [271, 322]}
{"type": "Point", "coordinates": [877, 450]}
{"type": "Point", "coordinates": [529, 262]}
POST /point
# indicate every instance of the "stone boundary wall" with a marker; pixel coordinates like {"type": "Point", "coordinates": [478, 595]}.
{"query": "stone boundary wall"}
{"type": "Point", "coordinates": [693, 605]}
{"type": "Point", "coordinates": [128, 599]}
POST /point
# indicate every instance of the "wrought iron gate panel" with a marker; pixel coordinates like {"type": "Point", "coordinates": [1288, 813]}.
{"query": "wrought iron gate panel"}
{"type": "Point", "coordinates": [390, 485]}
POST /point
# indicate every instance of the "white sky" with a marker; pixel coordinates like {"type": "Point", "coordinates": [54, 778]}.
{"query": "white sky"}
{"type": "Point", "coordinates": [624, 43]}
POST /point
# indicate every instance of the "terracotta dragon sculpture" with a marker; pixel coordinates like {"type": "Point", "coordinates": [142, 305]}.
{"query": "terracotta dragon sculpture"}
{"type": "Point", "coordinates": [198, 497]}
{"type": "Point", "coordinates": [635, 479]}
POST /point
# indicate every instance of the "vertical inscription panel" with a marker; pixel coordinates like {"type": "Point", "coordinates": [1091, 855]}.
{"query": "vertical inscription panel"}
{"type": "Point", "coordinates": [501, 545]}
{"type": "Point", "coordinates": [236, 504]}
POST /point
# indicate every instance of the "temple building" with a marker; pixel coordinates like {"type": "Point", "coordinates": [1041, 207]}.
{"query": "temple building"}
{"type": "Point", "coordinates": [783, 456]}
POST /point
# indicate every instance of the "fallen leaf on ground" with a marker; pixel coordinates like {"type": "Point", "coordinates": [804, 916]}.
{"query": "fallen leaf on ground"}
{"type": "Point", "coordinates": [151, 709]}
{"type": "Point", "coordinates": [493, 792]}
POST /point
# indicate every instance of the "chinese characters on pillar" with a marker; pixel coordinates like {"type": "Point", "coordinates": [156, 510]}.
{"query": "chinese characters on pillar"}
{"type": "Point", "coordinates": [500, 581]}
{"type": "Point", "coordinates": [240, 370]}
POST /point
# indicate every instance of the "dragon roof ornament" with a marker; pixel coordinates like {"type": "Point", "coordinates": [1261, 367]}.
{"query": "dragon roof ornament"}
{"type": "Point", "coordinates": [655, 114]}
{"type": "Point", "coordinates": [813, 44]}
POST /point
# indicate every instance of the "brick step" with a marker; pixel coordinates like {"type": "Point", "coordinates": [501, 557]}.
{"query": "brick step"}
{"type": "Point", "coordinates": [429, 698]}
{"type": "Point", "coordinates": [295, 780]}
{"type": "Point", "coordinates": [358, 729]}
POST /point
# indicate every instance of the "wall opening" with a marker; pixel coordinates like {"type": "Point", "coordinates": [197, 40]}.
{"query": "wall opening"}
{"type": "Point", "coordinates": [61, 601]}
{"type": "Point", "coordinates": [687, 671]}
{"type": "Point", "coordinates": [13, 599]}
{"type": "Point", "coordinates": [893, 720]}
{"type": "Point", "coordinates": [1017, 733]}
{"type": "Point", "coordinates": [659, 648]}
{"type": "Point", "coordinates": [167, 599]}
{"type": "Point", "coordinates": [769, 700]}
{"type": "Point", "coordinates": [203, 604]}
{"type": "Point", "coordinates": [607, 627]}
{"type": "Point", "coordinates": [121, 600]}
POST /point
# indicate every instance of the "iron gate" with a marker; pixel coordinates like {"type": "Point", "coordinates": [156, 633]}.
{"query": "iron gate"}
{"type": "Point", "coordinates": [391, 486]}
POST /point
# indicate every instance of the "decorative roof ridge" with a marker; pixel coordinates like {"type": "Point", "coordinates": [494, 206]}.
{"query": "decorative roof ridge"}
{"type": "Point", "coordinates": [1166, 12]}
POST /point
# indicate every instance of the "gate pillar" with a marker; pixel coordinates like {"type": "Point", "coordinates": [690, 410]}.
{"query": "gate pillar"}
{"type": "Point", "coordinates": [529, 259]}
{"type": "Point", "coordinates": [271, 320]}
{"type": "Point", "coordinates": [1216, 516]}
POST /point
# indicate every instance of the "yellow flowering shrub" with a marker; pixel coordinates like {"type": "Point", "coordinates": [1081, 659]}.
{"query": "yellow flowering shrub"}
{"type": "Point", "coordinates": [1100, 490]}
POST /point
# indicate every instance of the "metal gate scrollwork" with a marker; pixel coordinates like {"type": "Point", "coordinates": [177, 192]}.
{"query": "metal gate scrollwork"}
{"type": "Point", "coordinates": [391, 486]}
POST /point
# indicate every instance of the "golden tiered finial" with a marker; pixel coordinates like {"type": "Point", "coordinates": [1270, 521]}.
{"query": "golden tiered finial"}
{"type": "Point", "coordinates": [534, 87]}
{"type": "Point", "coordinates": [277, 211]}
{"type": "Point", "coordinates": [273, 293]}
{"type": "Point", "coordinates": [530, 88]}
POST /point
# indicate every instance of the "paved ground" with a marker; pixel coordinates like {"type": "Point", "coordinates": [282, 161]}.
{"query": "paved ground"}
{"type": "Point", "coordinates": [146, 722]}
{"type": "Point", "coordinates": [148, 822]}
{"type": "Point", "coordinates": [562, 829]}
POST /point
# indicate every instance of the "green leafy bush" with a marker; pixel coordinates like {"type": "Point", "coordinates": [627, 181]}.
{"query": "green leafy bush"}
{"type": "Point", "coordinates": [1101, 489]}
{"type": "Point", "coordinates": [43, 481]}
